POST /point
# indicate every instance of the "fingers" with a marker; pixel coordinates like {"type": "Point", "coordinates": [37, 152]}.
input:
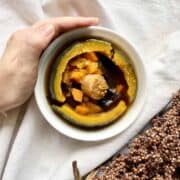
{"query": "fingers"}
{"type": "Point", "coordinates": [69, 23]}
{"type": "Point", "coordinates": [45, 31]}
{"type": "Point", "coordinates": [63, 24]}
{"type": "Point", "coordinates": [36, 38]}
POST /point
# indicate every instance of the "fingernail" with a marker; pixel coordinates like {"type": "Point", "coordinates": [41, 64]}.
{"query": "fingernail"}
{"type": "Point", "coordinates": [94, 19]}
{"type": "Point", "coordinates": [47, 29]}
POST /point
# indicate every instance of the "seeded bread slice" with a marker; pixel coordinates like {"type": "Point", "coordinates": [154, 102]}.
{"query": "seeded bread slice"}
{"type": "Point", "coordinates": [154, 154]}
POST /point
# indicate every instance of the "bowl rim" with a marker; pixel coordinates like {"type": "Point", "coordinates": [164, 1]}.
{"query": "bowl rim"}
{"type": "Point", "coordinates": [72, 131]}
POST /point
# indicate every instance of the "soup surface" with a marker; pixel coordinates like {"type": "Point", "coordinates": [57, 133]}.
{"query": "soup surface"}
{"type": "Point", "coordinates": [91, 83]}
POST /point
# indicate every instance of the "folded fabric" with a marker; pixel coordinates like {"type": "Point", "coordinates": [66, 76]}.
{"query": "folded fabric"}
{"type": "Point", "coordinates": [39, 151]}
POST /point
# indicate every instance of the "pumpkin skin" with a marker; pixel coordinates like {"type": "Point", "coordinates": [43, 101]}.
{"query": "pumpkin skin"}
{"type": "Point", "coordinates": [99, 119]}
{"type": "Point", "coordinates": [129, 74]}
{"type": "Point", "coordinates": [93, 120]}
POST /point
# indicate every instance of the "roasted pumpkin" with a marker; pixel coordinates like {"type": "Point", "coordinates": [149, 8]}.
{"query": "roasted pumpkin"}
{"type": "Point", "coordinates": [77, 63]}
{"type": "Point", "coordinates": [92, 120]}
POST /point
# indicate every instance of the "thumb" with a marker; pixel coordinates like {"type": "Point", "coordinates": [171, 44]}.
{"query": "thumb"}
{"type": "Point", "coordinates": [42, 35]}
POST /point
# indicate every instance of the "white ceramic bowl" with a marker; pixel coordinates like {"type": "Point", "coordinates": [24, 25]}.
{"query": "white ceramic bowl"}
{"type": "Point", "coordinates": [111, 130]}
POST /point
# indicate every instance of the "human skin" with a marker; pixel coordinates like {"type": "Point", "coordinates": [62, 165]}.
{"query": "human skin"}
{"type": "Point", "coordinates": [19, 62]}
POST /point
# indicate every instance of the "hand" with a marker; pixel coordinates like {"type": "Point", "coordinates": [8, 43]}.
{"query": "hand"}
{"type": "Point", "coordinates": [18, 65]}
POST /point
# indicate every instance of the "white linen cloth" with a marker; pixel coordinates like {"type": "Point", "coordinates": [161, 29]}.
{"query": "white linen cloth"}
{"type": "Point", "coordinates": [41, 153]}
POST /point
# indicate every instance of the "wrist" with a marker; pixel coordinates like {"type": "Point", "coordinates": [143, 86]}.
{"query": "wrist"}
{"type": "Point", "coordinates": [5, 96]}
